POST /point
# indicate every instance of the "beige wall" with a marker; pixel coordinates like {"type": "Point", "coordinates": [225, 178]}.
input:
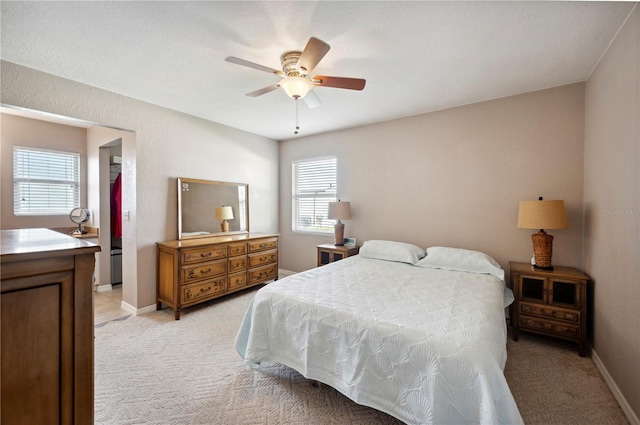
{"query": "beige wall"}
{"type": "Point", "coordinates": [168, 145]}
{"type": "Point", "coordinates": [453, 177]}
{"type": "Point", "coordinates": [612, 209]}
{"type": "Point", "coordinates": [19, 131]}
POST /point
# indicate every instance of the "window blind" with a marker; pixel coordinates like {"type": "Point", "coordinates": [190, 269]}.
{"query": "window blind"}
{"type": "Point", "coordinates": [314, 186]}
{"type": "Point", "coordinates": [45, 182]}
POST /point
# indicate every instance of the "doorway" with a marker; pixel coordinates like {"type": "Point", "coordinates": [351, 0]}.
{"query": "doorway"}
{"type": "Point", "coordinates": [110, 176]}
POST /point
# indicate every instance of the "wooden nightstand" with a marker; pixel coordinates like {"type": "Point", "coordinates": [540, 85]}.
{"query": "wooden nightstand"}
{"type": "Point", "coordinates": [552, 303]}
{"type": "Point", "coordinates": [328, 253]}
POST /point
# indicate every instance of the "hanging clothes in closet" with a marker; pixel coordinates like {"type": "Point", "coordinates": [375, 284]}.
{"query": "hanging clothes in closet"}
{"type": "Point", "coordinates": [116, 207]}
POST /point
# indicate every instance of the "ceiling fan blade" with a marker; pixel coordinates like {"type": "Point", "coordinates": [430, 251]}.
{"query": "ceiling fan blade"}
{"type": "Point", "coordinates": [248, 64]}
{"type": "Point", "coordinates": [264, 90]}
{"type": "Point", "coordinates": [312, 100]}
{"type": "Point", "coordinates": [338, 82]}
{"type": "Point", "coordinates": [312, 54]}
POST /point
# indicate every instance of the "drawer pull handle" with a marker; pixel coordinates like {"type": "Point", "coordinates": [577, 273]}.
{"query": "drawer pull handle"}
{"type": "Point", "coordinates": [204, 290]}
{"type": "Point", "coordinates": [205, 255]}
{"type": "Point", "coordinates": [193, 274]}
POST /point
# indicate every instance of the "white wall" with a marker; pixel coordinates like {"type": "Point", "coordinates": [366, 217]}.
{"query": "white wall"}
{"type": "Point", "coordinates": [612, 209]}
{"type": "Point", "coordinates": [453, 177]}
{"type": "Point", "coordinates": [168, 145]}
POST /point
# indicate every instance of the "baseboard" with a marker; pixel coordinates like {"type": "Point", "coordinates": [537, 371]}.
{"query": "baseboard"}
{"type": "Point", "coordinates": [622, 401]}
{"type": "Point", "coordinates": [137, 311]}
{"type": "Point", "coordinates": [282, 273]}
{"type": "Point", "coordinates": [104, 288]}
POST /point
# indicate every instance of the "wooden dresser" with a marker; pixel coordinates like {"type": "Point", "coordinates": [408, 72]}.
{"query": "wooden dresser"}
{"type": "Point", "coordinates": [47, 328]}
{"type": "Point", "coordinates": [550, 302]}
{"type": "Point", "coordinates": [192, 271]}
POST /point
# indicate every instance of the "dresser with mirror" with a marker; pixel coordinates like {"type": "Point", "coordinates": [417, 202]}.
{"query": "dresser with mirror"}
{"type": "Point", "coordinates": [205, 262]}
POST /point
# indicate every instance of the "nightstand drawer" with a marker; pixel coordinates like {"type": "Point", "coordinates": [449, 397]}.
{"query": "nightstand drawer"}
{"type": "Point", "coordinates": [203, 290]}
{"type": "Point", "coordinates": [263, 258]}
{"type": "Point", "coordinates": [556, 328]}
{"type": "Point", "coordinates": [212, 253]}
{"type": "Point", "coordinates": [550, 312]}
{"type": "Point", "coordinates": [204, 271]}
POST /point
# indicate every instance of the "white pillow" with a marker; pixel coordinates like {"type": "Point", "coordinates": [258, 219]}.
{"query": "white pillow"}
{"type": "Point", "coordinates": [462, 260]}
{"type": "Point", "coordinates": [392, 251]}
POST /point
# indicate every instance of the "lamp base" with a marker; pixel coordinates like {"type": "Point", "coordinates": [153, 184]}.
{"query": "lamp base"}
{"type": "Point", "coordinates": [224, 226]}
{"type": "Point", "coordinates": [542, 250]}
{"type": "Point", "coordinates": [339, 233]}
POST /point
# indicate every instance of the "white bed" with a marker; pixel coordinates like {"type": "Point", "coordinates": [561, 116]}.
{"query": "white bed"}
{"type": "Point", "coordinates": [423, 344]}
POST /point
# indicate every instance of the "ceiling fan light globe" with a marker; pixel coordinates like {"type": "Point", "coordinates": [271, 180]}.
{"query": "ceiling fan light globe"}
{"type": "Point", "coordinates": [296, 87]}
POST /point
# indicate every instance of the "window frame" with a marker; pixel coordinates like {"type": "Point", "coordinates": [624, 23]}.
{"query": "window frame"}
{"type": "Point", "coordinates": [326, 225]}
{"type": "Point", "coordinates": [60, 203]}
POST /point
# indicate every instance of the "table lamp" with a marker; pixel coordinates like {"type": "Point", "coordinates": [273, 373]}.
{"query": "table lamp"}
{"type": "Point", "coordinates": [542, 215]}
{"type": "Point", "coordinates": [339, 211]}
{"type": "Point", "coordinates": [224, 213]}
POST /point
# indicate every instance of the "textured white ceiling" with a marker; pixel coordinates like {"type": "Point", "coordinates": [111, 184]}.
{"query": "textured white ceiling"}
{"type": "Point", "coordinates": [416, 56]}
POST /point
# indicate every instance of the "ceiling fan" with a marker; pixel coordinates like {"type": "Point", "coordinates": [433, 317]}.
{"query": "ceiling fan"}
{"type": "Point", "coordinates": [296, 79]}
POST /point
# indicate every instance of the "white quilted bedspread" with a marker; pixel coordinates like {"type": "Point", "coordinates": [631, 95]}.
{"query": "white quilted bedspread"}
{"type": "Point", "coordinates": [426, 346]}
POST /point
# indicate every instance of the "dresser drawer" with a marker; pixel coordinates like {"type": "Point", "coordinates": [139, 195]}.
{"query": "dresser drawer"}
{"type": "Point", "coordinates": [206, 254]}
{"type": "Point", "coordinates": [235, 249]}
{"type": "Point", "coordinates": [263, 244]}
{"type": "Point", "coordinates": [203, 271]}
{"type": "Point", "coordinates": [548, 326]}
{"type": "Point", "coordinates": [262, 274]}
{"type": "Point", "coordinates": [550, 312]}
{"type": "Point", "coordinates": [237, 264]}
{"type": "Point", "coordinates": [263, 258]}
{"type": "Point", "coordinates": [202, 290]}
{"type": "Point", "coordinates": [237, 280]}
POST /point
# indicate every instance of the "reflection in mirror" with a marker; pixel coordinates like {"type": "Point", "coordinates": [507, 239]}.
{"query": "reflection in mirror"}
{"type": "Point", "coordinates": [198, 201]}
{"type": "Point", "coordinates": [79, 216]}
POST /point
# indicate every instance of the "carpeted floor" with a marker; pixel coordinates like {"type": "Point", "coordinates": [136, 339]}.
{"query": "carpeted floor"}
{"type": "Point", "coordinates": [151, 369]}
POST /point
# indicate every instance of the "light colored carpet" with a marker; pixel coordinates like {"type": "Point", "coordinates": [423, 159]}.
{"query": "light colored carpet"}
{"type": "Point", "coordinates": [151, 369]}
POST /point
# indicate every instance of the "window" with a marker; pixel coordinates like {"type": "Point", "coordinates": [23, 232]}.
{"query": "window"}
{"type": "Point", "coordinates": [314, 186]}
{"type": "Point", "coordinates": [45, 182]}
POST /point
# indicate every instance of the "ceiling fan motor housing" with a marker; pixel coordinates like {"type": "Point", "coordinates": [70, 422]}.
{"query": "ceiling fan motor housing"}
{"type": "Point", "coordinates": [289, 61]}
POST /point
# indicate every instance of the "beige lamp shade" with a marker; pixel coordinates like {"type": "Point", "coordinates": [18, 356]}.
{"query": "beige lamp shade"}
{"type": "Point", "coordinates": [224, 213]}
{"type": "Point", "coordinates": [339, 210]}
{"type": "Point", "coordinates": [542, 215]}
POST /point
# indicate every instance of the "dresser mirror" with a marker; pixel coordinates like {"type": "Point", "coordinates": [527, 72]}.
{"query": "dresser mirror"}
{"type": "Point", "coordinates": [197, 204]}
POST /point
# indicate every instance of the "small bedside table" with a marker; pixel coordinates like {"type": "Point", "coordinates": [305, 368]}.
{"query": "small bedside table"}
{"type": "Point", "coordinates": [550, 302]}
{"type": "Point", "coordinates": [328, 253]}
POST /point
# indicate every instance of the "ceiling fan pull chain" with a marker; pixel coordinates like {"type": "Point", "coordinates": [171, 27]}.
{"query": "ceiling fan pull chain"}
{"type": "Point", "coordinates": [297, 126]}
